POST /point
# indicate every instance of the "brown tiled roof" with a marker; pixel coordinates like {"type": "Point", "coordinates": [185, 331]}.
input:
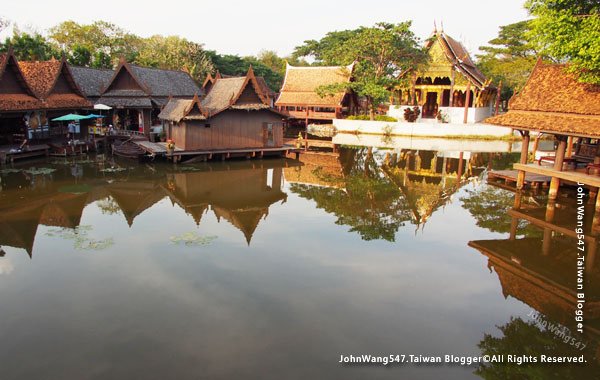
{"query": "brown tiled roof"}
{"type": "Point", "coordinates": [126, 101]}
{"type": "Point", "coordinates": [300, 84]}
{"type": "Point", "coordinates": [40, 75]}
{"type": "Point", "coordinates": [26, 100]}
{"type": "Point", "coordinates": [554, 101]}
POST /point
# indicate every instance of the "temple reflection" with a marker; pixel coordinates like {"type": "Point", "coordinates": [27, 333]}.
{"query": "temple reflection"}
{"type": "Point", "coordinates": [240, 193]}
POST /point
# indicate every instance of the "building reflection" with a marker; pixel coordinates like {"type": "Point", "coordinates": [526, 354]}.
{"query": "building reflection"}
{"type": "Point", "coordinates": [536, 263]}
{"type": "Point", "coordinates": [240, 193]}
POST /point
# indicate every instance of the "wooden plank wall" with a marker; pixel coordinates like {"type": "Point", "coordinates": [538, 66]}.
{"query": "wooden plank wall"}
{"type": "Point", "coordinates": [232, 129]}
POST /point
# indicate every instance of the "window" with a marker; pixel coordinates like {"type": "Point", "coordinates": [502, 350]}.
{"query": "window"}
{"type": "Point", "coordinates": [207, 125]}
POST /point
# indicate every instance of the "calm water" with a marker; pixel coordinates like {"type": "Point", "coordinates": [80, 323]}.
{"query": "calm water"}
{"type": "Point", "coordinates": [273, 269]}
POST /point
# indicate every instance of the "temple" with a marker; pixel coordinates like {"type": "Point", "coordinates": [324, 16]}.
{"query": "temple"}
{"type": "Point", "coordinates": [450, 83]}
{"type": "Point", "coordinates": [299, 100]}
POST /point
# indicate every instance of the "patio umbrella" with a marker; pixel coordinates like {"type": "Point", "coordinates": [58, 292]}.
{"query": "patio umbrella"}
{"type": "Point", "coordinates": [94, 116]}
{"type": "Point", "coordinates": [70, 117]}
{"type": "Point", "coordinates": [102, 107]}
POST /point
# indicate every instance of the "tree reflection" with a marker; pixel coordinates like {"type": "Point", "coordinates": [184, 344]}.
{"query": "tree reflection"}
{"type": "Point", "coordinates": [526, 338]}
{"type": "Point", "coordinates": [370, 203]}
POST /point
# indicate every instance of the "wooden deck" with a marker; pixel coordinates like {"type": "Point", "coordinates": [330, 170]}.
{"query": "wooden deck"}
{"type": "Point", "coordinates": [510, 176]}
{"type": "Point", "coordinates": [31, 151]}
{"type": "Point", "coordinates": [310, 143]}
{"type": "Point", "coordinates": [160, 149]}
{"type": "Point", "coordinates": [571, 176]}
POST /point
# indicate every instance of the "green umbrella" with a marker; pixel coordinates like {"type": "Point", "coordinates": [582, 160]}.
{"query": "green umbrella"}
{"type": "Point", "coordinates": [70, 117]}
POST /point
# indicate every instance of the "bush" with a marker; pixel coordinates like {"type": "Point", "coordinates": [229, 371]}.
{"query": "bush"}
{"type": "Point", "coordinates": [377, 118]}
{"type": "Point", "coordinates": [411, 114]}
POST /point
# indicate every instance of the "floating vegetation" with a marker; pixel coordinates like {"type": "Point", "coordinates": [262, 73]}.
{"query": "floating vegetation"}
{"type": "Point", "coordinates": [113, 169]}
{"type": "Point", "coordinates": [81, 240]}
{"type": "Point", "coordinates": [9, 171]}
{"type": "Point", "coordinates": [192, 239]}
{"type": "Point", "coordinates": [189, 169]}
{"type": "Point", "coordinates": [38, 171]}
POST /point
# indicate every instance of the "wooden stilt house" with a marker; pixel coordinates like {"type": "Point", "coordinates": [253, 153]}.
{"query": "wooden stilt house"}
{"type": "Point", "coordinates": [235, 114]}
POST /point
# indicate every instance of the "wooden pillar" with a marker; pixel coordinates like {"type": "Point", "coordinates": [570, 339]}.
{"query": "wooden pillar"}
{"type": "Point", "coordinates": [514, 224]}
{"type": "Point", "coordinates": [467, 99]}
{"type": "Point", "coordinates": [596, 219]}
{"type": "Point", "coordinates": [523, 159]}
{"type": "Point", "coordinates": [569, 147]}
{"type": "Point", "coordinates": [558, 164]}
{"type": "Point", "coordinates": [591, 256]}
{"type": "Point", "coordinates": [517, 202]}
{"type": "Point", "coordinates": [546, 241]}
{"type": "Point", "coordinates": [550, 210]}
{"type": "Point", "coordinates": [451, 100]}
{"type": "Point", "coordinates": [460, 165]}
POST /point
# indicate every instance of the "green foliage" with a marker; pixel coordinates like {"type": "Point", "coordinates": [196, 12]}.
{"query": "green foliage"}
{"type": "Point", "coordinates": [509, 58]}
{"type": "Point", "coordinates": [29, 47]}
{"type": "Point", "coordinates": [190, 239]}
{"type": "Point", "coordinates": [102, 39]}
{"type": "Point", "coordinates": [522, 338]}
{"type": "Point", "coordinates": [174, 53]}
{"type": "Point", "coordinates": [237, 66]}
{"type": "Point", "coordinates": [377, 118]}
{"type": "Point", "coordinates": [380, 53]}
{"type": "Point", "coordinates": [569, 30]}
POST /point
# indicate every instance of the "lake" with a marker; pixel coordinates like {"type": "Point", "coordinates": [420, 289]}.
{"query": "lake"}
{"type": "Point", "coordinates": [274, 269]}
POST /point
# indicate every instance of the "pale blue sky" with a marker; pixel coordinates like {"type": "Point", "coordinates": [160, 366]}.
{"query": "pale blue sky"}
{"type": "Point", "coordinates": [247, 27]}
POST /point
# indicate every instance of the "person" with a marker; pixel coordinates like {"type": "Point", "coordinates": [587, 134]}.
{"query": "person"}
{"type": "Point", "coordinates": [111, 130]}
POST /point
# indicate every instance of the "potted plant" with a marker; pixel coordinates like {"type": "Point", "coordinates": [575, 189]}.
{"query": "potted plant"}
{"type": "Point", "coordinates": [170, 146]}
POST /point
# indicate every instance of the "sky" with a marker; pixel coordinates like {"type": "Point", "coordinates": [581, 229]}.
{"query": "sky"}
{"type": "Point", "coordinates": [245, 27]}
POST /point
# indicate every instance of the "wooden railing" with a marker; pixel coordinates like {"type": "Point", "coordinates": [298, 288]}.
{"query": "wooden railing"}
{"type": "Point", "coordinates": [311, 115]}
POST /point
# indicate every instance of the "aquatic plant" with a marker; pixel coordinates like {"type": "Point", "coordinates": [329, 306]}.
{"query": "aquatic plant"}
{"type": "Point", "coordinates": [81, 240]}
{"type": "Point", "coordinates": [192, 239]}
{"type": "Point", "coordinates": [113, 169]}
{"type": "Point", "coordinates": [37, 171]}
{"type": "Point", "coordinates": [9, 171]}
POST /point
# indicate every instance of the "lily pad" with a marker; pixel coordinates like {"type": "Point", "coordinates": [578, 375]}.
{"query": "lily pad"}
{"type": "Point", "coordinates": [42, 171]}
{"type": "Point", "coordinates": [113, 170]}
{"type": "Point", "coordinates": [81, 240]}
{"type": "Point", "coordinates": [192, 239]}
{"type": "Point", "coordinates": [9, 171]}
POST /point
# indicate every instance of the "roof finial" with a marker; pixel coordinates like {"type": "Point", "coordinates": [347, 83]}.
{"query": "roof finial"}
{"type": "Point", "coordinates": [218, 75]}
{"type": "Point", "coordinates": [250, 71]}
{"type": "Point", "coordinates": [442, 26]}
{"type": "Point", "coordinates": [434, 27]}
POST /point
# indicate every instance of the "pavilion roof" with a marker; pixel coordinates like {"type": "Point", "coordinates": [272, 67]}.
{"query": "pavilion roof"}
{"type": "Point", "coordinates": [25, 99]}
{"type": "Point", "coordinates": [553, 101]}
{"type": "Point", "coordinates": [91, 81]}
{"type": "Point", "coordinates": [300, 84]}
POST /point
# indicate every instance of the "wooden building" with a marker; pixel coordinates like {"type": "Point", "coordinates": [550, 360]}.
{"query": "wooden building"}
{"type": "Point", "coordinates": [235, 114]}
{"type": "Point", "coordinates": [137, 94]}
{"type": "Point", "coordinates": [31, 93]}
{"type": "Point", "coordinates": [299, 100]}
{"type": "Point", "coordinates": [262, 83]}
{"type": "Point", "coordinates": [450, 80]}
{"type": "Point", "coordinates": [553, 102]}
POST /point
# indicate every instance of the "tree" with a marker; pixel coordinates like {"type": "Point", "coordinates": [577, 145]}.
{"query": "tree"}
{"type": "Point", "coordinates": [175, 53]}
{"type": "Point", "coordinates": [29, 47]}
{"type": "Point", "coordinates": [237, 66]}
{"type": "Point", "coordinates": [98, 37]}
{"type": "Point", "coordinates": [80, 56]}
{"type": "Point", "coordinates": [569, 30]}
{"type": "Point", "coordinates": [381, 53]}
{"type": "Point", "coordinates": [509, 58]}
{"type": "Point", "coordinates": [4, 23]}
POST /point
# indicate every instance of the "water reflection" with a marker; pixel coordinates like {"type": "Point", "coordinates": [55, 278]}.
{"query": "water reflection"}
{"type": "Point", "coordinates": [536, 263]}
{"type": "Point", "coordinates": [56, 197]}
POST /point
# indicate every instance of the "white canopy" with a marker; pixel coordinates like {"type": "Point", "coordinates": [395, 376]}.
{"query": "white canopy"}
{"type": "Point", "coordinates": [101, 107]}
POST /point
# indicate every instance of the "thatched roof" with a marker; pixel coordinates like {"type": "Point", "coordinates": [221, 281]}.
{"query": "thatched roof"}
{"type": "Point", "coordinates": [553, 101]}
{"type": "Point", "coordinates": [242, 93]}
{"type": "Point", "coordinates": [20, 96]}
{"type": "Point", "coordinates": [459, 57]}
{"type": "Point", "coordinates": [180, 109]}
{"type": "Point", "coordinates": [91, 81]}
{"type": "Point", "coordinates": [300, 84]}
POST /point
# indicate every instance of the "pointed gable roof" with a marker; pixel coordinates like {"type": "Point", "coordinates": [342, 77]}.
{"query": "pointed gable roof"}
{"type": "Point", "coordinates": [553, 101]}
{"type": "Point", "coordinates": [183, 109]}
{"type": "Point", "coordinates": [15, 92]}
{"type": "Point", "coordinates": [91, 81]}
{"type": "Point", "coordinates": [208, 82]}
{"type": "Point", "coordinates": [53, 82]}
{"type": "Point", "coordinates": [459, 57]}
{"type": "Point", "coordinates": [300, 84]}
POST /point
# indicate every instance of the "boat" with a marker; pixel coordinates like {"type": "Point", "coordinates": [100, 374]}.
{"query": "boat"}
{"type": "Point", "coordinates": [128, 149]}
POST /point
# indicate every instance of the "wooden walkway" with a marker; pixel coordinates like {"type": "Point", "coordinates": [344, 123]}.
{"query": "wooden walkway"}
{"type": "Point", "coordinates": [510, 176]}
{"type": "Point", "coordinates": [571, 176]}
{"type": "Point", "coordinates": [6, 155]}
